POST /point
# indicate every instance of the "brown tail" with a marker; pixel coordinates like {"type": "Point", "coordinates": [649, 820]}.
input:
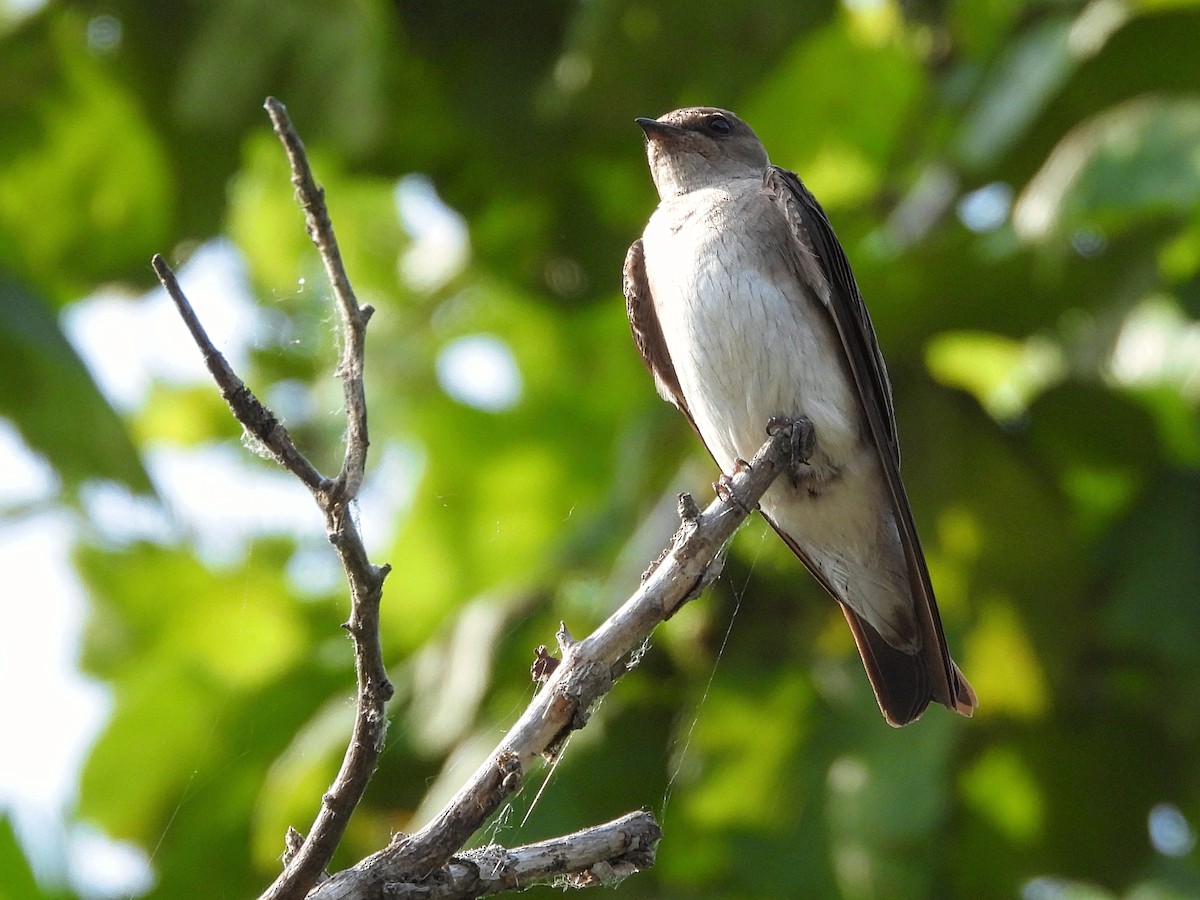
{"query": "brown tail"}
{"type": "Point", "coordinates": [905, 683]}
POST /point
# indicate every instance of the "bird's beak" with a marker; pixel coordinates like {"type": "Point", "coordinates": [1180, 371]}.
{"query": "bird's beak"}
{"type": "Point", "coordinates": [656, 130]}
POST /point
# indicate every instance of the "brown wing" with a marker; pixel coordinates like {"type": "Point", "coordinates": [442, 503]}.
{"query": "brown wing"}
{"type": "Point", "coordinates": [904, 684]}
{"type": "Point", "coordinates": [647, 333]}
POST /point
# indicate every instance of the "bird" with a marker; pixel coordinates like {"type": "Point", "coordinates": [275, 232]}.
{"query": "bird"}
{"type": "Point", "coordinates": [744, 308]}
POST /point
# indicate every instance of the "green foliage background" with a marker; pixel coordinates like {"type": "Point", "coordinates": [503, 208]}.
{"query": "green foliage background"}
{"type": "Point", "coordinates": [1046, 369]}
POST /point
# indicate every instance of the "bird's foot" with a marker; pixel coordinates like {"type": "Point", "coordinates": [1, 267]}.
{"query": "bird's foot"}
{"type": "Point", "coordinates": [803, 439]}
{"type": "Point", "coordinates": [724, 485]}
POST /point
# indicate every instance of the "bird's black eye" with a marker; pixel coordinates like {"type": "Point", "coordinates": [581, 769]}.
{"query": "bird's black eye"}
{"type": "Point", "coordinates": [719, 125]}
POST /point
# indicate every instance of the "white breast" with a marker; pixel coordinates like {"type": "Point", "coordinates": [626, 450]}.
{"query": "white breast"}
{"type": "Point", "coordinates": [746, 340]}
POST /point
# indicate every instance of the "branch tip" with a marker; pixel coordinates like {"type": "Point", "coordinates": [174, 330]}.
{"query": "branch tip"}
{"type": "Point", "coordinates": [689, 512]}
{"type": "Point", "coordinates": [566, 643]}
{"type": "Point", "coordinates": [543, 665]}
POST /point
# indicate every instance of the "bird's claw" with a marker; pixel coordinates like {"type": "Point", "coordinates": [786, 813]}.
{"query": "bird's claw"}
{"type": "Point", "coordinates": [724, 485]}
{"type": "Point", "coordinates": [803, 438]}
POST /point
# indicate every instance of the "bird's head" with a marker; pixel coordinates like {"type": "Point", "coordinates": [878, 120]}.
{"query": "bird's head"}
{"type": "Point", "coordinates": [701, 146]}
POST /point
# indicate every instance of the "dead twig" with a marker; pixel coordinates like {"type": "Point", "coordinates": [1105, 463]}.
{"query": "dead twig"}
{"type": "Point", "coordinates": [306, 862]}
{"type": "Point", "coordinates": [602, 855]}
{"type": "Point", "coordinates": [354, 317]}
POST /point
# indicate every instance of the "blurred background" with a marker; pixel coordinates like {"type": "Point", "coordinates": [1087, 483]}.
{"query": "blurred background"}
{"type": "Point", "coordinates": [1017, 184]}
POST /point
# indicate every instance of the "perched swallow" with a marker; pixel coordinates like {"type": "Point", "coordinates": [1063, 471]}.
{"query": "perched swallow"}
{"type": "Point", "coordinates": [743, 306]}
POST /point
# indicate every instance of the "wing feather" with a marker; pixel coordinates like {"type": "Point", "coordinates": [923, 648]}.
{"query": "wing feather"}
{"type": "Point", "coordinates": [903, 683]}
{"type": "Point", "coordinates": [647, 333]}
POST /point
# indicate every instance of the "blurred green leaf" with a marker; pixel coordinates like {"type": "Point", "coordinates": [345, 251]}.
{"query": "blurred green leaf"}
{"type": "Point", "coordinates": [1001, 786]}
{"type": "Point", "coordinates": [1010, 675]}
{"type": "Point", "coordinates": [170, 634]}
{"type": "Point", "coordinates": [1132, 162]}
{"type": "Point", "coordinates": [1031, 69]}
{"type": "Point", "coordinates": [1155, 552]}
{"type": "Point", "coordinates": [1103, 445]}
{"type": "Point", "coordinates": [50, 396]}
{"type": "Point", "coordinates": [1004, 375]}
{"type": "Point", "coordinates": [82, 155]}
{"type": "Point", "coordinates": [16, 877]}
{"type": "Point", "coordinates": [1147, 54]}
{"type": "Point", "coordinates": [842, 167]}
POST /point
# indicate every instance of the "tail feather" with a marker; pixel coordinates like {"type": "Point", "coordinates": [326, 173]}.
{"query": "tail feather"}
{"type": "Point", "coordinates": [904, 680]}
{"type": "Point", "coordinates": [965, 701]}
{"type": "Point", "coordinates": [905, 683]}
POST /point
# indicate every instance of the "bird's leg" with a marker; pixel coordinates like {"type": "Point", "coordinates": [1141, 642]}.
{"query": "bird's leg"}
{"type": "Point", "coordinates": [724, 485]}
{"type": "Point", "coordinates": [802, 444]}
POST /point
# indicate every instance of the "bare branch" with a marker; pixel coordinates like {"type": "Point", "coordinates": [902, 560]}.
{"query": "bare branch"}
{"type": "Point", "coordinates": [354, 317]}
{"type": "Point", "coordinates": [587, 671]}
{"type": "Point", "coordinates": [306, 859]}
{"type": "Point", "coordinates": [259, 421]}
{"type": "Point", "coordinates": [602, 855]}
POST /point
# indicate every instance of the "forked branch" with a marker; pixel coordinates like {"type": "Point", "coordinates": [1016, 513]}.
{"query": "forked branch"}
{"type": "Point", "coordinates": [334, 497]}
